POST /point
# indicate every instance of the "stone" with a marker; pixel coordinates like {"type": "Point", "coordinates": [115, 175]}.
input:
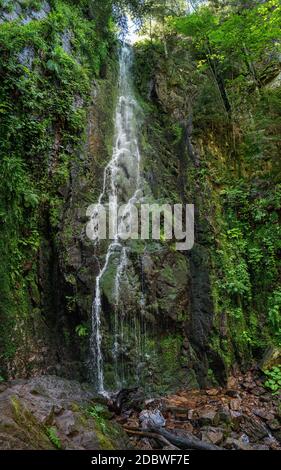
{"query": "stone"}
{"type": "Point", "coordinates": [274, 425]}
{"type": "Point", "coordinates": [244, 438]}
{"type": "Point", "coordinates": [212, 435]}
{"type": "Point", "coordinates": [208, 417]}
{"type": "Point", "coordinates": [231, 383]}
{"type": "Point", "coordinates": [253, 427]}
{"type": "Point", "coordinates": [190, 414]}
{"type": "Point", "coordinates": [236, 418]}
{"type": "Point", "coordinates": [235, 404]}
{"type": "Point", "coordinates": [224, 416]}
{"type": "Point", "coordinates": [151, 418]}
{"type": "Point", "coordinates": [212, 392]}
{"type": "Point", "coordinates": [237, 444]}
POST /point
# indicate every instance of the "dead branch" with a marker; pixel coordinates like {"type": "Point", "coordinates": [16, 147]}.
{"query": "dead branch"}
{"type": "Point", "coordinates": [151, 435]}
{"type": "Point", "coordinates": [187, 442]}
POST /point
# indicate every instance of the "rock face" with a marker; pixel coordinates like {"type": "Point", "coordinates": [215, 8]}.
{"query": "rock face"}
{"type": "Point", "coordinates": [19, 10]}
{"type": "Point", "coordinates": [272, 357]}
{"type": "Point", "coordinates": [165, 294]}
{"type": "Point", "coordinates": [52, 413]}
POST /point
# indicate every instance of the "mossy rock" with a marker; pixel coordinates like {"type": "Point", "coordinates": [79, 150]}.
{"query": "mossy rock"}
{"type": "Point", "coordinates": [271, 358]}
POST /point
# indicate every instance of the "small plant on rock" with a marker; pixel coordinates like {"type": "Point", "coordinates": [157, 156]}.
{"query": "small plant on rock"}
{"type": "Point", "coordinates": [54, 438]}
{"type": "Point", "coordinates": [273, 381]}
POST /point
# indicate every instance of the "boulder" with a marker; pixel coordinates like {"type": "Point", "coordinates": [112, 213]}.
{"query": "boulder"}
{"type": "Point", "coordinates": [254, 428]}
{"type": "Point", "coordinates": [212, 435]}
{"type": "Point", "coordinates": [49, 412]}
{"type": "Point", "coordinates": [150, 418]}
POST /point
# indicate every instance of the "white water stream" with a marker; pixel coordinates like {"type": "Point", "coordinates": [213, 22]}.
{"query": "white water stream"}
{"type": "Point", "coordinates": [121, 185]}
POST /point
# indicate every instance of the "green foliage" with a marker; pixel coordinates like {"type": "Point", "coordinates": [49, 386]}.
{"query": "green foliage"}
{"type": "Point", "coordinates": [99, 412]}
{"type": "Point", "coordinates": [47, 68]}
{"type": "Point", "coordinates": [274, 313]}
{"type": "Point", "coordinates": [273, 381]}
{"type": "Point", "coordinates": [233, 36]}
{"type": "Point", "coordinates": [54, 438]}
{"type": "Point", "coordinates": [81, 331]}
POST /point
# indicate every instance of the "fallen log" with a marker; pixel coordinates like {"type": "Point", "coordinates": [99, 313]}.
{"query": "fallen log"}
{"type": "Point", "coordinates": [187, 442]}
{"type": "Point", "coordinates": [151, 435]}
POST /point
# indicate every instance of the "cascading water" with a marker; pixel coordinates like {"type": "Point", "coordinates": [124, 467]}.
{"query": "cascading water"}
{"type": "Point", "coordinates": [122, 185]}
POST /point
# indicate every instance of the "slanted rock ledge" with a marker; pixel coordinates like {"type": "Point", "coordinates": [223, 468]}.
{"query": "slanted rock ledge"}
{"type": "Point", "coordinates": [49, 412]}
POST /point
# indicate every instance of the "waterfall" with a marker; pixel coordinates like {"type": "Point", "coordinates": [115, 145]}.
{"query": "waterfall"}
{"type": "Point", "coordinates": [121, 185]}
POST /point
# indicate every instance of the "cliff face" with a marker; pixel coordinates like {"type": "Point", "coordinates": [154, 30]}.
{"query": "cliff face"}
{"type": "Point", "coordinates": [58, 101]}
{"type": "Point", "coordinates": [197, 153]}
{"type": "Point", "coordinates": [58, 75]}
{"type": "Point", "coordinates": [187, 317]}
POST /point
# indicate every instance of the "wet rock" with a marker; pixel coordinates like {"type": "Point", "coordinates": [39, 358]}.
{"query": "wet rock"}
{"type": "Point", "coordinates": [66, 422]}
{"type": "Point", "coordinates": [78, 103]}
{"type": "Point", "coordinates": [25, 15]}
{"type": "Point", "coordinates": [11, 16]}
{"type": "Point", "coordinates": [151, 418]}
{"type": "Point", "coordinates": [128, 399]}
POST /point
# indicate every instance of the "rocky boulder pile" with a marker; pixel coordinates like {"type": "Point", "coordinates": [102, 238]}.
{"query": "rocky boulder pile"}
{"type": "Point", "coordinates": [242, 416]}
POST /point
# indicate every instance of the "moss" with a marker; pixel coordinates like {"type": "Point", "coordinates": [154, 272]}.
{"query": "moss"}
{"type": "Point", "coordinates": [41, 138]}
{"type": "Point", "coordinates": [110, 435]}
{"type": "Point", "coordinates": [33, 431]}
{"type": "Point", "coordinates": [170, 350]}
